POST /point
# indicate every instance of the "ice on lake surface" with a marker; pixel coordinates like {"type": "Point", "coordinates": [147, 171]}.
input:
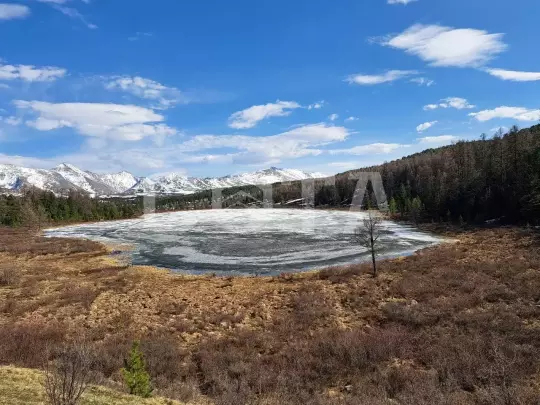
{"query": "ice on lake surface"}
{"type": "Point", "coordinates": [248, 241]}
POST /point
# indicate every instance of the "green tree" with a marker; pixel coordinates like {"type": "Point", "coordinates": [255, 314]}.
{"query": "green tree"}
{"type": "Point", "coordinates": [416, 209]}
{"type": "Point", "coordinates": [135, 375]}
{"type": "Point", "coordinates": [392, 207]}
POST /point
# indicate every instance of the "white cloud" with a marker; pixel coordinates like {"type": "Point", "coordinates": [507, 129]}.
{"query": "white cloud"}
{"type": "Point", "coordinates": [333, 117]}
{"type": "Point", "coordinates": [69, 11]}
{"type": "Point", "coordinates": [390, 76]}
{"type": "Point", "coordinates": [31, 73]}
{"type": "Point", "coordinates": [351, 118]}
{"type": "Point", "coordinates": [446, 46]}
{"type": "Point", "coordinates": [110, 121]}
{"type": "Point", "coordinates": [423, 81]}
{"type": "Point", "coordinates": [437, 140]}
{"type": "Point", "coordinates": [371, 149]}
{"type": "Point", "coordinates": [424, 126]}
{"type": "Point", "coordinates": [344, 165]}
{"type": "Point", "coordinates": [514, 75]}
{"type": "Point", "coordinates": [298, 142]}
{"type": "Point", "coordinates": [140, 35]}
{"type": "Point", "coordinates": [251, 116]}
{"type": "Point", "coordinates": [13, 11]}
{"type": "Point", "coordinates": [53, 1]}
{"type": "Point", "coordinates": [451, 102]}
{"type": "Point", "coordinates": [14, 121]}
{"type": "Point", "coordinates": [517, 113]}
{"type": "Point", "coordinates": [147, 89]}
{"type": "Point", "coordinates": [316, 106]}
{"type": "Point", "coordinates": [405, 2]}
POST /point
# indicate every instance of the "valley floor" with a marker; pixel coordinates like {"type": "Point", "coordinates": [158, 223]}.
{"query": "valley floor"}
{"type": "Point", "coordinates": [454, 324]}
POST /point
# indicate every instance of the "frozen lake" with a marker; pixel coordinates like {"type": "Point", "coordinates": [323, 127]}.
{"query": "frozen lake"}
{"type": "Point", "coordinates": [248, 241]}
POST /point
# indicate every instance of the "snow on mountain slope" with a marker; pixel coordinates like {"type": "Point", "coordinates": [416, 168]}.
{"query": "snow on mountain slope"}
{"type": "Point", "coordinates": [67, 177]}
{"type": "Point", "coordinates": [14, 178]}
{"type": "Point", "coordinates": [175, 183]}
{"type": "Point", "coordinates": [119, 182]}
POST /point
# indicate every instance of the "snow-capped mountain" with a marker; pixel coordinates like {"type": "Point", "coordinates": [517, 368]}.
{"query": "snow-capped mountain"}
{"type": "Point", "coordinates": [63, 178]}
{"type": "Point", "coordinates": [67, 177]}
{"type": "Point", "coordinates": [175, 183]}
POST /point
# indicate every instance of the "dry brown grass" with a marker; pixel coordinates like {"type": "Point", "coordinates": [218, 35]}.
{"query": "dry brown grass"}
{"type": "Point", "coordinates": [454, 324]}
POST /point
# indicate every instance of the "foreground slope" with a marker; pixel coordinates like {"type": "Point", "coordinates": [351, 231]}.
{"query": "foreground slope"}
{"type": "Point", "coordinates": [453, 324]}
{"type": "Point", "coordinates": [20, 386]}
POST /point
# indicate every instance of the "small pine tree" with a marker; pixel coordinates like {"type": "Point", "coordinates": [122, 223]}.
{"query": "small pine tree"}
{"type": "Point", "coordinates": [392, 207]}
{"type": "Point", "coordinates": [416, 209]}
{"type": "Point", "coordinates": [135, 375]}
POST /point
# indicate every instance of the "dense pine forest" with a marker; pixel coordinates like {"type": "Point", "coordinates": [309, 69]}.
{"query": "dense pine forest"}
{"type": "Point", "coordinates": [474, 181]}
{"type": "Point", "coordinates": [37, 208]}
{"type": "Point", "coordinates": [496, 178]}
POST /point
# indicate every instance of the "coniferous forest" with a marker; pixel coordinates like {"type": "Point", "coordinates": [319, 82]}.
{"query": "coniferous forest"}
{"type": "Point", "coordinates": [37, 208]}
{"type": "Point", "coordinates": [496, 178]}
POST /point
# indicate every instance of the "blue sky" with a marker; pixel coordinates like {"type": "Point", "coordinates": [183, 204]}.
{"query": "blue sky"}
{"type": "Point", "coordinates": [209, 88]}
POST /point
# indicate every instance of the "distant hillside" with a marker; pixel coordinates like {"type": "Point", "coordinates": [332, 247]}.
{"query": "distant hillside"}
{"type": "Point", "coordinates": [473, 181]}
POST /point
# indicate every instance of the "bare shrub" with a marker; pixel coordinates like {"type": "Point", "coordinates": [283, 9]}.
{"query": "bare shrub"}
{"type": "Point", "coordinates": [26, 343]}
{"type": "Point", "coordinates": [82, 295]}
{"type": "Point", "coordinates": [309, 306]}
{"type": "Point", "coordinates": [9, 276]}
{"type": "Point", "coordinates": [68, 375]}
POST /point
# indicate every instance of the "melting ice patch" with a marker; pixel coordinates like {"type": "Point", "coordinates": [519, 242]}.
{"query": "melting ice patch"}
{"type": "Point", "coordinates": [248, 241]}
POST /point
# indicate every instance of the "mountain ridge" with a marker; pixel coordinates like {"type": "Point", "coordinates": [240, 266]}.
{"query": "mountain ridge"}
{"type": "Point", "coordinates": [67, 177]}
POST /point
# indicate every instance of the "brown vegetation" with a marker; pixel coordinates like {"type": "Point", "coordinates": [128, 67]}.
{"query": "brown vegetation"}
{"type": "Point", "coordinates": [456, 324]}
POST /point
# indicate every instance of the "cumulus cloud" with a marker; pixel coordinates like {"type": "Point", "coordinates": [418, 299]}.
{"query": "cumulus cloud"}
{"type": "Point", "coordinates": [251, 116]}
{"type": "Point", "coordinates": [333, 117]}
{"type": "Point", "coordinates": [517, 113]}
{"type": "Point", "coordinates": [31, 73]}
{"type": "Point", "coordinates": [316, 106]}
{"type": "Point", "coordinates": [447, 46]}
{"type": "Point", "coordinates": [389, 76]}
{"type": "Point", "coordinates": [514, 75]}
{"type": "Point", "coordinates": [424, 126]}
{"type": "Point", "coordinates": [147, 89]}
{"type": "Point", "coordinates": [13, 11]}
{"type": "Point", "coordinates": [451, 102]}
{"type": "Point", "coordinates": [437, 140]}
{"type": "Point", "coordinates": [110, 121]}
{"type": "Point", "coordinates": [351, 119]}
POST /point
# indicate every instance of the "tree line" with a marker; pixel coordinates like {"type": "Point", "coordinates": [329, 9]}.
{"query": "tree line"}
{"type": "Point", "coordinates": [495, 178]}
{"type": "Point", "coordinates": [36, 208]}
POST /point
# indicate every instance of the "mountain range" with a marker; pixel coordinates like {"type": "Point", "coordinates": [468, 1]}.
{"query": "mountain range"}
{"type": "Point", "coordinates": [66, 177]}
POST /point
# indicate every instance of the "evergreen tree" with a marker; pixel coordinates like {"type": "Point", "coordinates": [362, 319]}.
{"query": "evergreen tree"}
{"type": "Point", "coordinates": [392, 207]}
{"type": "Point", "coordinates": [135, 375]}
